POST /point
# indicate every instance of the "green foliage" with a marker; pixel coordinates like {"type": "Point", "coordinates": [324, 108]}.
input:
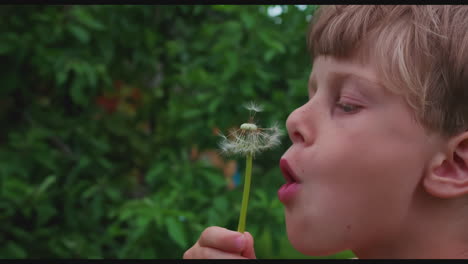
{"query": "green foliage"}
{"type": "Point", "coordinates": [101, 105]}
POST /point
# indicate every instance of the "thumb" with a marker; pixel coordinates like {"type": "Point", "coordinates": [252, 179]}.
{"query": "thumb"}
{"type": "Point", "coordinates": [249, 251]}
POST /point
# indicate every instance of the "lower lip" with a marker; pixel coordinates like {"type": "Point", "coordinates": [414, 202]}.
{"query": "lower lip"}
{"type": "Point", "coordinates": [288, 191]}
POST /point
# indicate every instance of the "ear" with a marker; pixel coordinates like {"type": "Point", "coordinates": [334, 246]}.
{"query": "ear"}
{"type": "Point", "coordinates": [447, 175]}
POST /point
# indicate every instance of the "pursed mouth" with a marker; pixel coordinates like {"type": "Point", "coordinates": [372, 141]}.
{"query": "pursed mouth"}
{"type": "Point", "coordinates": [288, 173]}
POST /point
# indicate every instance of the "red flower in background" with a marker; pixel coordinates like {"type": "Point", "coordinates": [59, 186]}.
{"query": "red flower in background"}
{"type": "Point", "coordinates": [123, 98]}
{"type": "Point", "coordinates": [108, 103]}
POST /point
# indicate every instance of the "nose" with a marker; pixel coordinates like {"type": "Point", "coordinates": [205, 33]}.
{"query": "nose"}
{"type": "Point", "coordinates": [297, 126]}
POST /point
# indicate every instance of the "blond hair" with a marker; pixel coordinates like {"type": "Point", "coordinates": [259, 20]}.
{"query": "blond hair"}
{"type": "Point", "coordinates": [422, 53]}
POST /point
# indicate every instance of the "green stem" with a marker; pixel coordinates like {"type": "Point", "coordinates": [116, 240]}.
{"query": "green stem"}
{"type": "Point", "coordinates": [245, 195]}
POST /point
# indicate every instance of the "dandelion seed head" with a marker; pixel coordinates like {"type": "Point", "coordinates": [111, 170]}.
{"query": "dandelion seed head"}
{"type": "Point", "coordinates": [248, 126]}
{"type": "Point", "coordinates": [250, 139]}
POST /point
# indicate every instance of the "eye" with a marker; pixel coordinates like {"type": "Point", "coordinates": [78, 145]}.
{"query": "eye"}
{"type": "Point", "coordinates": [348, 108]}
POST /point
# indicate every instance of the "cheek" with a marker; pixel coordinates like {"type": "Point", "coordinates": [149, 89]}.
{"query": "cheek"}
{"type": "Point", "coordinates": [358, 186]}
{"type": "Point", "coordinates": [321, 222]}
{"type": "Point", "coordinates": [373, 166]}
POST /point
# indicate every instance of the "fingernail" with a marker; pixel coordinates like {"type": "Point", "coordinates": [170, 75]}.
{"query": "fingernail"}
{"type": "Point", "coordinates": [240, 242]}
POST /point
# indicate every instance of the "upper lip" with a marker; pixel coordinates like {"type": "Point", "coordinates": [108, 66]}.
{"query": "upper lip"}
{"type": "Point", "coordinates": [288, 173]}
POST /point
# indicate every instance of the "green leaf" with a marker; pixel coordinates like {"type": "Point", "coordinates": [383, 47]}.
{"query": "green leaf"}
{"type": "Point", "coordinates": [16, 250]}
{"type": "Point", "coordinates": [248, 20]}
{"type": "Point", "coordinates": [62, 76]}
{"type": "Point", "coordinates": [79, 33]}
{"type": "Point", "coordinates": [269, 54]}
{"type": "Point", "coordinates": [44, 213]}
{"type": "Point", "coordinates": [77, 94]}
{"type": "Point", "coordinates": [16, 189]}
{"type": "Point", "coordinates": [77, 169]}
{"type": "Point", "coordinates": [176, 231]}
{"type": "Point", "coordinates": [155, 172]}
{"type": "Point", "coordinates": [87, 19]}
{"type": "Point", "coordinates": [191, 113]}
{"type": "Point", "coordinates": [45, 185]}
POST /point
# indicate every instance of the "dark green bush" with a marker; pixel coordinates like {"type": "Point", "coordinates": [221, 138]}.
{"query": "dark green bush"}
{"type": "Point", "coordinates": [101, 106]}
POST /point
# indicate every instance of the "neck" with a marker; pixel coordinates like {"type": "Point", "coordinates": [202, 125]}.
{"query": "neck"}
{"type": "Point", "coordinates": [433, 228]}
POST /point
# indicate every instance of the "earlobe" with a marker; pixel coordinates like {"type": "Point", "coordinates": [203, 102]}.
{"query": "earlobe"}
{"type": "Point", "coordinates": [447, 175]}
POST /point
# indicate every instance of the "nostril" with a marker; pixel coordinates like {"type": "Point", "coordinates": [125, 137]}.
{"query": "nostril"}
{"type": "Point", "coordinates": [298, 136]}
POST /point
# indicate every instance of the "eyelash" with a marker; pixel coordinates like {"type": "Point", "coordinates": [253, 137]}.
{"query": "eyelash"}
{"type": "Point", "coordinates": [345, 107]}
{"type": "Point", "coordinates": [342, 105]}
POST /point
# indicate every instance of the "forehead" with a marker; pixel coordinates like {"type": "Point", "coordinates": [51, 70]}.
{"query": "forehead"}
{"type": "Point", "coordinates": [327, 67]}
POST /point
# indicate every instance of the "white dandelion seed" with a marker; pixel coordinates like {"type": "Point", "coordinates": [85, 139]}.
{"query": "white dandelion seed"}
{"type": "Point", "coordinates": [252, 106]}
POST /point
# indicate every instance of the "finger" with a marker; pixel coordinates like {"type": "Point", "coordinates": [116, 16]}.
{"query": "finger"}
{"type": "Point", "coordinates": [222, 239]}
{"type": "Point", "coordinates": [210, 253]}
{"type": "Point", "coordinates": [249, 251]}
{"type": "Point", "coordinates": [189, 253]}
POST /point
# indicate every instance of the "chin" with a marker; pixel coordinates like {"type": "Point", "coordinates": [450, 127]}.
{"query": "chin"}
{"type": "Point", "coordinates": [302, 242]}
{"type": "Point", "coordinates": [314, 250]}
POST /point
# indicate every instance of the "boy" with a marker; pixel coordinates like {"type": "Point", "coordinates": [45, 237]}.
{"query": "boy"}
{"type": "Point", "coordinates": [379, 156]}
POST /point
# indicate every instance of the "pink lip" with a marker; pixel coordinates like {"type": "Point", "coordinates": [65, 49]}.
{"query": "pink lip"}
{"type": "Point", "coordinates": [288, 173]}
{"type": "Point", "coordinates": [289, 190]}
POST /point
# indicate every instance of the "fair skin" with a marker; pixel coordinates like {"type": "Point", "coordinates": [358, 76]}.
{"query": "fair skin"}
{"type": "Point", "coordinates": [371, 178]}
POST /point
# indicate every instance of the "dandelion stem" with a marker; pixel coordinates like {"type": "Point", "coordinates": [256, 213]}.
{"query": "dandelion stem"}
{"type": "Point", "coordinates": [245, 195]}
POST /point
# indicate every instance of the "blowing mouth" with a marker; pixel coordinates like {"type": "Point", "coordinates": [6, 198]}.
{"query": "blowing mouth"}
{"type": "Point", "coordinates": [288, 173]}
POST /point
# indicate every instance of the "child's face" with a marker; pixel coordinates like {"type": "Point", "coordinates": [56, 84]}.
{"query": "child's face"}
{"type": "Point", "coordinates": [358, 155]}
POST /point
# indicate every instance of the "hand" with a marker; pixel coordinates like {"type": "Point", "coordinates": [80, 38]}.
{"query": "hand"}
{"type": "Point", "coordinates": [220, 243]}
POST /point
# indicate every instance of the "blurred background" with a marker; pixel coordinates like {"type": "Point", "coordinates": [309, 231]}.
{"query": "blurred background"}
{"type": "Point", "coordinates": [109, 118]}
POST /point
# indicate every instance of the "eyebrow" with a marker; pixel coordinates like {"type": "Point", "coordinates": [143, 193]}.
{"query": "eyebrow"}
{"type": "Point", "coordinates": [371, 88]}
{"type": "Point", "coordinates": [344, 77]}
